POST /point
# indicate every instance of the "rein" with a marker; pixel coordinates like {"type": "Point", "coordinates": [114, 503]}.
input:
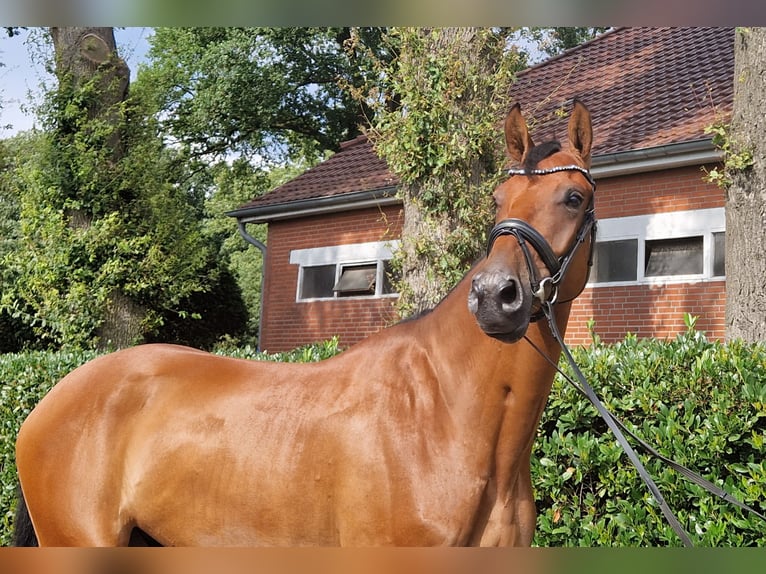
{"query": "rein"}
{"type": "Point", "coordinates": [546, 291]}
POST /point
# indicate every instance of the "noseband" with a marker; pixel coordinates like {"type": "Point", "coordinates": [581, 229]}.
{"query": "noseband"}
{"type": "Point", "coordinates": [546, 289]}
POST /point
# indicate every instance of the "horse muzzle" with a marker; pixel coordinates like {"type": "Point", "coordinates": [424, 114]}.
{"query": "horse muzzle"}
{"type": "Point", "coordinates": [501, 303]}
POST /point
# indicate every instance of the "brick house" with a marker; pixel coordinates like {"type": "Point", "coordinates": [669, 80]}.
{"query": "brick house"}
{"type": "Point", "coordinates": [659, 252]}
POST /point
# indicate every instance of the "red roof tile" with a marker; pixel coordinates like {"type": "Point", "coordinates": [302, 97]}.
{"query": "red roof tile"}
{"type": "Point", "coordinates": [355, 167]}
{"type": "Point", "coordinates": [645, 87]}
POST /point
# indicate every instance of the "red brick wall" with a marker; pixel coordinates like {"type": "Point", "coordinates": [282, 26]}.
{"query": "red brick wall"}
{"type": "Point", "coordinates": [287, 323]}
{"type": "Point", "coordinates": [655, 310]}
{"type": "Point", "coordinates": [656, 192]}
{"type": "Point", "coordinates": [647, 311]}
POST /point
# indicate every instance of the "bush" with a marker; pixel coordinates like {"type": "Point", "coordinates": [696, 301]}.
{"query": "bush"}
{"type": "Point", "coordinates": [701, 403]}
{"type": "Point", "coordinates": [698, 402]}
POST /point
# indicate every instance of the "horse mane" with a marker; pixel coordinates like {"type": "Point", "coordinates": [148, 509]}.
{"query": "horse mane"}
{"type": "Point", "coordinates": [416, 315]}
{"type": "Point", "coordinates": [539, 153]}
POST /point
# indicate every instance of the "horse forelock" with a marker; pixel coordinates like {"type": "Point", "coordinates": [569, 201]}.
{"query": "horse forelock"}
{"type": "Point", "coordinates": [539, 152]}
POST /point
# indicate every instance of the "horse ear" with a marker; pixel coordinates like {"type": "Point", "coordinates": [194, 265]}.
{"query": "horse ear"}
{"type": "Point", "coordinates": [517, 138]}
{"type": "Point", "coordinates": [581, 131]}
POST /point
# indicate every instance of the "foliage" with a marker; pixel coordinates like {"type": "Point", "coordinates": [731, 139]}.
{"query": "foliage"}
{"type": "Point", "coordinates": [304, 354]}
{"type": "Point", "coordinates": [443, 96]}
{"type": "Point", "coordinates": [244, 109]}
{"type": "Point", "coordinates": [13, 335]}
{"type": "Point", "coordinates": [93, 221]}
{"type": "Point", "coordinates": [699, 402]}
{"type": "Point", "coordinates": [24, 379]}
{"type": "Point", "coordinates": [553, 41]}
{"type": "Point", "coordinates": [736, 158]}
{"type": "Point", "coordinates": [234, 184]}
{"type": "Point", "coordinates": [257, 92]}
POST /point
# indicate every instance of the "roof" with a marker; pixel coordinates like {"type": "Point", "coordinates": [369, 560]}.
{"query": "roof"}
{"type": "Point", "coordinates": [354, 168]}
{"type": "Point", "coordinates": [645, 88]}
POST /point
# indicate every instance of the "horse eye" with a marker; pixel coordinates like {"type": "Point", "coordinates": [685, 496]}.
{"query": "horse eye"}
{"type": "Point", "coordinates": [574, 199]}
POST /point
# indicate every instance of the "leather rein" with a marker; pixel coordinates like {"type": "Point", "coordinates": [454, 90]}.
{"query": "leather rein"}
{"type": "Point", "coordinates": [546, 291]}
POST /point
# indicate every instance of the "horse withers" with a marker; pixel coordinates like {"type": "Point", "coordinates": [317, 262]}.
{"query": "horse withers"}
{"type": "Point", "coordinates": [419, 435]}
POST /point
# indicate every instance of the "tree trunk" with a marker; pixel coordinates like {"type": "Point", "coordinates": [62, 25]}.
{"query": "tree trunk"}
{"type": "Point", "coordinates": [746, 196]}
{"type": "Point", "coordinates": [441, 237]}
{"type": "Point", "coordinates": [84, 54]}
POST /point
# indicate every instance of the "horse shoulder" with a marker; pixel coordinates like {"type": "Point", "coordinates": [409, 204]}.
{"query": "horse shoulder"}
{"type": "Point", "coordinates": [407, 454]}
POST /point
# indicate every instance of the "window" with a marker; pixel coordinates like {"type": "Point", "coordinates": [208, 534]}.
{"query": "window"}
{"type": "Point", "coordinates": [679, 256]}
{"type": "Point", "coordinates": [615, 261]}
{"type": "Point", "coordinates": [356, 280]}
{"type": "Point", "coordinates": [660, 247]}
{"type": "Point", "coordinates": [358, 270]}
{"type": "Point", "coordinates": [317, 281]}
{"type": "Point", "coordinates": [345, 280]}
{"type": "Point", "coordinates": [719, 254]}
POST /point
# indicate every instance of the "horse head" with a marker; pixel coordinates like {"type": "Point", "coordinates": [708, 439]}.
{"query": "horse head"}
{"type": "Point", "coordinates": [544, 214]}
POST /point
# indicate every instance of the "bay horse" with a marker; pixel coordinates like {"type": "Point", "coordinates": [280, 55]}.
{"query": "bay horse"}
{"type": "Point", "coordinates": [419, 435]}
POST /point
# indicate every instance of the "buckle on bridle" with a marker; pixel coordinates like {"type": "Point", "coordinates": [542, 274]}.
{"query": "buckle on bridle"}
{"type": "Point", "coordinates": [547, 291]}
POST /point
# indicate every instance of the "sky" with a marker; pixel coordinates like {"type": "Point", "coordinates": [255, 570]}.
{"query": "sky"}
{"type": "Point", "coordinates": [22, 75]}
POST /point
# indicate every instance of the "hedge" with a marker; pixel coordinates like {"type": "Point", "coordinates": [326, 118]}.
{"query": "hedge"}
{"type": "Point", "coordinates": [700, 402]}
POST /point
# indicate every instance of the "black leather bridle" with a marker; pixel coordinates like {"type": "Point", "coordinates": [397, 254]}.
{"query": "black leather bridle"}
{"type": "Point", "coordinates": [546, 289]}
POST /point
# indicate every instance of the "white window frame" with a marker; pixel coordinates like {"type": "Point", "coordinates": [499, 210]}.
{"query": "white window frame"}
{"type": "Point", "coordinates": [377, 252]}
{"type": "Point", "coordinates": [659, 226]}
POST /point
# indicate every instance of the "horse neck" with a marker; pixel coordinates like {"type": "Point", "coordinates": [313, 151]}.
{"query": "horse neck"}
{"type": "Point", "coordinates": [474, 365]}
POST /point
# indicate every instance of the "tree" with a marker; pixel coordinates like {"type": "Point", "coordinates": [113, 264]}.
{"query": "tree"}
{"type": "Point", "coordinates": [109, 245]}
{"type": "Point", "coordinates": [746, 194]}
{"type": "Point", "coordinates": [263, 93]}
{"type": "Point", "coordinates": [445, 96]}
{"type": "Point", "coordinates": [245, 107]}
{"type": "Point", "coordinates": [553, 41]}
{"type": "Point", "coordinates": [14, 335]}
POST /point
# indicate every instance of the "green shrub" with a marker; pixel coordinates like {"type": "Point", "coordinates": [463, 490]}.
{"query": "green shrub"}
{"type": "Point", "coordinates": [304, 354]}
{"type": "Point", "coordinates": [698, 402]}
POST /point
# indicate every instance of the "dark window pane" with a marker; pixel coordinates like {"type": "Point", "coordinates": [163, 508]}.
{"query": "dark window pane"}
{"type": "Point", "coordinates": [388, 278]}
{"type": "Point", "coordinates": [357, 280]}
{"type": "Point", "coordinates": [673, 257]}
{"type": "Point", "coordinates": [615, 261]}
{"type": "Point", "coordinates": [719, 254]}
{"type": "Point", "coordinates": [317, 281]}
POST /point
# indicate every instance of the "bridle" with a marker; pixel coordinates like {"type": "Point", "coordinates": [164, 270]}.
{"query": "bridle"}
{"type": "Point", "coordinates": [545, 291]}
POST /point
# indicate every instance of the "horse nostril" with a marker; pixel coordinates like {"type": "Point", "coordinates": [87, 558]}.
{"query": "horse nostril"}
{"type": "Point", "coordinates": [507, 294]}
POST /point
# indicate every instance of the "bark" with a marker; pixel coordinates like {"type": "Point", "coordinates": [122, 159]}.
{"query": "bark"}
{"type": "Point", "coordinates": [428, 234]}
{"type": "Point", "coordinates": [123, 319]}
{"type": "Point", "coordinates": [746, 196]}
{"type": "Point", "coordinates": [421, 290]}
{"type": "Point", "coordinates": [84, 54]}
